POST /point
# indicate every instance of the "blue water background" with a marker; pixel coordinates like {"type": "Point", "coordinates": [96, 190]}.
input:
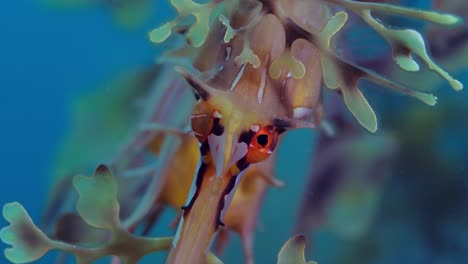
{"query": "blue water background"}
{"type": "Point", "coordinates": [48, 57]}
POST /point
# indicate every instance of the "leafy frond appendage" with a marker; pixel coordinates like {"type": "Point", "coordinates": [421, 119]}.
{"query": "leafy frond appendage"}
{"type": "Point", "coordinates": [198, 32]}
{"type": "Point", "coordinates": [340, 75]}
{"type": "Point", "coordinates": [97, 205]}
{"type": "Point", "coordinates": [293, 251]}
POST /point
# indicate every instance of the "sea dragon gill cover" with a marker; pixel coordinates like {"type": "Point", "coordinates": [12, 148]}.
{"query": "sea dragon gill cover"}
{"type": "Point", "coordinates": [257, 68]}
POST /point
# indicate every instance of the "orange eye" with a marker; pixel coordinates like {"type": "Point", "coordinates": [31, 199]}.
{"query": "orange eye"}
{"type": "Point", "coordinates": [261, 145]}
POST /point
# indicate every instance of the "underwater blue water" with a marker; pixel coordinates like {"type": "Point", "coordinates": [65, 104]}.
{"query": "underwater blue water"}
{"type": "Point", "coordinates": [48, 56]}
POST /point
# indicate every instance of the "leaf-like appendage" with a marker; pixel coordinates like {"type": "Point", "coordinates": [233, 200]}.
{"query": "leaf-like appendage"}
{"type": "Point", "coordinates": [412, 41]}
{"type": "Point", "coordinates": [212, 259]}
{"type": "Point", "coordinates": [28, 242]}
{"type": "Point", "coordinates": [287, 62]}
{"type": "Point", "coordinates": [160, 34]}
{"type": "Point", "coordinates": [344, 76]}
{"type": "Point", "coordinates": [358, 105]}
{"type": "Point", "coordinates": [99, 208]}
{"type": "Point", "coordinates": [97, 202]}
{"type": "Point", "coordinates": [340, 75]}
{"type": "Point", "coordinates": [332, 27]}
{"type": "Point", "coordinates": [430, 16]}
{"type": "Point", "coordinates": [197, 33]}
{"type": "Point", "coordinates": [184, 6]}
{"type": "Point", "coordinates": [331, 73]}
{"type": "Point", "coordinates": [406, 41]}
{"type": "Point", "coordinates": [230, 32]}
{"type": "Point", "coordinates": [293, 252]}
{"type": "Point", "coordinates": [247, 56]}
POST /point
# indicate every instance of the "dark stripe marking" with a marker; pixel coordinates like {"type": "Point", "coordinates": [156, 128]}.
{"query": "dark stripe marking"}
{"type": "Point", "coordinates": [246, 136]}
{"type": "Point", "coordinates": [204, 148]}
{"type": "Point", "coordinates": [217, 129]}
{"type": "Point", "coordinates": [242, 163]}
{"type": "Point", "coordinates": [226, 192]}
{"type": "Point", "coordinates": [200, 175]}
{"type": "Point", "coordinates": [281, 125]}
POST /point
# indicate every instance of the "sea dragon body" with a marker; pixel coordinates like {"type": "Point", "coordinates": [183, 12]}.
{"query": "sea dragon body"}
{"type": "Point", "coordinates": [259, 72]}
{"type": "Point", "coordinates": [240, 113]}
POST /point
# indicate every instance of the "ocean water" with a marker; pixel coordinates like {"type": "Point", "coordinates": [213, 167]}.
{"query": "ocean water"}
{"type": "Point", "coordinates": [50, 56]}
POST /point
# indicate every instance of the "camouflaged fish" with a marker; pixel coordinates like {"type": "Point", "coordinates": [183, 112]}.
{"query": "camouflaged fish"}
{"type": "Point", "coordinates": [256, 68]}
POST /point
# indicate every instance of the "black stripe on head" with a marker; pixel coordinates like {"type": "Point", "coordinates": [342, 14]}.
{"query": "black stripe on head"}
{"type": "Point", "coordinates": [204, 148]}
{"type": "Point", "coordinates": [217, 129]}
{"type": "Point", "coordinates": [281, 125]}
{"type": "Point", "coordinates": [246, 136]}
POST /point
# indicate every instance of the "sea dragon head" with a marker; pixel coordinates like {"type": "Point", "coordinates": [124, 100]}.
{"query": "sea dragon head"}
{"type": "Point", "coordinates": [247, 101]}
{"type": "Point", "coordinates": [236, 131]}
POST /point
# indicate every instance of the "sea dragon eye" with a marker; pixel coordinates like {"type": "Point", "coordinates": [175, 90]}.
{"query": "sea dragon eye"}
{"type": "Point", "coordinates": [262, 144]}
{"type": "Point", "coordinates": [263, 140]}
{"type": "Point", "coordinates": [202, 125]}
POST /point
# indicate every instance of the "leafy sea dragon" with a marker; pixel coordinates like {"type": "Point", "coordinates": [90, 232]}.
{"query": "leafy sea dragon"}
{"type": "Point", "coordinates": [253, 63]}
{"type": "Point", "coordinates": [234, 130]}
{"type": "Point", "coordinates": [238, 118]}
{"type": "Point", "coordinates": [256, 68]}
